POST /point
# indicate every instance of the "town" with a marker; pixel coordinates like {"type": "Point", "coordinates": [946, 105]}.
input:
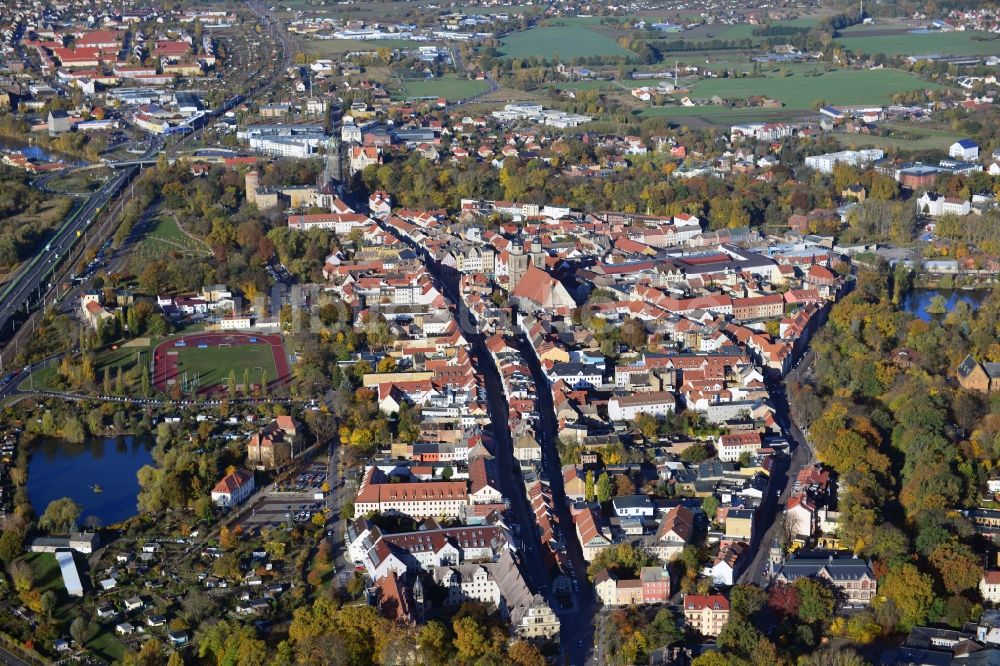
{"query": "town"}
{"type": "Point", "coordinates": [483, 333]}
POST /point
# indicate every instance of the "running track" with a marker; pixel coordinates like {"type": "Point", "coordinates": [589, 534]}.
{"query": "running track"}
{"type": "Point", "coordinates": [165, 365]}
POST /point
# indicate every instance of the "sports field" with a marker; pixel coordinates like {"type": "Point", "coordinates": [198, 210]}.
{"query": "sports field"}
{"type": "Point", "coordinates": [448, 86]}
{"type": "Point", "coordinates": [965, 43]}
{"type": "Point", "coordinates": [799, 91]}
{"type": "Point", "coordinates": [566, 41]}
{"type": "Point", "coordinates": [205, 360]}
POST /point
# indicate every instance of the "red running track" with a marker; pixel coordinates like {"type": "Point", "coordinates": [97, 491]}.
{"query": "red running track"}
{"type": "Point", "coordinates": [165, 365]}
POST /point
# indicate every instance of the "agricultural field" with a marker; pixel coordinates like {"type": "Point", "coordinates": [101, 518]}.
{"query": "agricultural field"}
{"type": "Point", "coordinates": [166, 237]}
{"type": "Point", "coordinates": [901, 43]}
{"type": "Point", "coordinates": [449, 86]}
{"type": "Point", "coordinates": [800, 92]}
{"type": "Point", "coordinates": [565, 40]}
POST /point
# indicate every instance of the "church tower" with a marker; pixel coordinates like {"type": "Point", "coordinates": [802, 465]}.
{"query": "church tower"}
{"type": "Point", "coordinates": [517, 264]}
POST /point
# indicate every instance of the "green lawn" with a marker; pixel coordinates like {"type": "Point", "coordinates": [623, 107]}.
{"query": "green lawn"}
{"type": "Point", "coordinates": [212, 365]}
{"type": "Point", "coordinates": [799, 92]}
{"type": "Point", "coordinates": [84, 180]}
{"type": "Point", "coordinates": [167, 237]}
{"type": "Point", "coordinates": [449, 86]}
{"type": "Point", "coordinates": [964, 43]}
{"type": "Point", "coordinates": [107, 646]}
{"type": "Point", "coordinates": [565, 41]}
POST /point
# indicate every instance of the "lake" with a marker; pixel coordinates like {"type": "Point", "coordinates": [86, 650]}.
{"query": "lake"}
{"type": "Point", "coordinates": [58, 468]}
{"type": "Point", "coordinates": [917, 300]}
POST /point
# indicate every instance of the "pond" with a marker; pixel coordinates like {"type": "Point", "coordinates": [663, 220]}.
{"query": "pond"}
{"type": "Point", "coordinates": [916, 301]}
{"type": "Point", "coordinates": [58, 468]}
{"type": "Point", "coordinates": [34, 152]}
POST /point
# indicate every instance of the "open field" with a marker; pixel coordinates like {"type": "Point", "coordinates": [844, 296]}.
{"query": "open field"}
{"type": "Point", "coordinates": [83, 181]}
{"type": "Point", "coordinates": [913, 138]}
{"type": "Point", "coordinates": [167, 237]}
{"type": "Point", "coordinates": [708, 116]}
{"type": "Point", "coordinates": [965, 43]}
{"type": "Point", "coordinates": [449, 86]}
{"type": "Point", "coordinates": [325, 48]}
{"type": "Point", "coordinates": [567, 41]}
{"type": "Point", "coordinates": [797, 92]}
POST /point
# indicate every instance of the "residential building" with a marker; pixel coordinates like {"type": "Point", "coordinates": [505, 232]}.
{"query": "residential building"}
{"type": "Point", "coordinates": [706, 613]}
{"type": "Point", "coordinates": [852, 577]}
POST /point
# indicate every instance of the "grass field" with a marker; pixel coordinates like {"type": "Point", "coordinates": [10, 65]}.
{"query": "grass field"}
{"type": "Point", "coordinates": [798, 92]}
{"type": "Point", "coordinates": [448, 86]}
{"type": "Point", "coordinates": [167, 237]}
{"type": "Point", "coordinates": [566, 41]}
{"type": "Point", "coordinates": [212, 365]}
{"type": "Point", "coordinates": [84, 181]}
{"type": "Point", "coordinates": [911, 138]}
{"type": "Point", "coordinates": [965, 43]}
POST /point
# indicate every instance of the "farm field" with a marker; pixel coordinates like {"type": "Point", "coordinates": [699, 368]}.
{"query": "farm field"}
{"type": "Point", "coordinates": [843, 87]}
{"type": "Point", "coordinates": [568, 41]}
{"type": "Point", "coordinates": [449, 86]}
{"type": "Point", "coordinates": [167, 237]}
{"type": "Point", "coordinates": [965, 43]}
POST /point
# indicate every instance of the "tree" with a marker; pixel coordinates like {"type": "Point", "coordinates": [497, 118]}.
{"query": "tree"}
{"type": "Point", "coordinates": [231, 383]}
{"type": "Point", "coordinates": [523, 653]}
{"type": "Point", "coordinates": [588, 490]}
{"type": "Point", "coordinates": [911, 592]}
{"type": "Point", "coordinates": [815, 600]}
{"type": "Point", "coordinates": [783, 599]}
{"type": "Point", "coordinates": [10, 544]}
{"type": "Point", "coordinates": [647, 425]}
{"type": "Point", "coordinates": [347, 510]}
{"type": "Point", "coordinates": [710, 505]}
{"type": "Point", "coordinates": [623, 485]}
{"type": "Point", "coordinates": [471, 639]}
{"type": "Point", "coordinates": [60, 515]}
{"type": "Point", "coordinates": [958, 566]}
{"type": "Point", "coordinates": [746, 600]}
{"type": "Point", "coordinates": [604, 489]}
{"type": "Point", "coordinates": [231, 643]}
{"type": "Point", "coordinates": [81, 630]}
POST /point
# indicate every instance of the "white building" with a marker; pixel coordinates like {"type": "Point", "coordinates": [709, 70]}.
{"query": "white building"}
{"type": "Point", "coordinates": [825, 163]}
{"type": "Point", "coordinates": [936, 205]}
{"type": "Point", "coordinates": [627, 408]}
{"type": "Point", "coordinates": [233, 489]}
{"type": "Point", "coordinates": [989, 586]}
{"type": "Point", "coordinates": [234, 323]}
{"type": "Point", "coordinates": [964, 149]}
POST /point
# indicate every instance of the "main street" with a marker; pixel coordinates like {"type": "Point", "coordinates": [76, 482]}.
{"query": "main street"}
{"type": "Point", "coordinates": [801, 455]}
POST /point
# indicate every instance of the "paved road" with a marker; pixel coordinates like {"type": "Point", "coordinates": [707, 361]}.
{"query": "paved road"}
{"type": "Point", "coordinates": [8, 657]}
{"type": "Point", "coordinates": [801, 455]}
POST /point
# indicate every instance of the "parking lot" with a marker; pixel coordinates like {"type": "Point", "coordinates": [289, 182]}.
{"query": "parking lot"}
{"type": "Point", "coordinates": [289, 504]}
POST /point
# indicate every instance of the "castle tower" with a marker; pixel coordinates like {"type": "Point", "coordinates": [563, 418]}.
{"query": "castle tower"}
{"type": "Point", "coordinates": [252, 182]}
